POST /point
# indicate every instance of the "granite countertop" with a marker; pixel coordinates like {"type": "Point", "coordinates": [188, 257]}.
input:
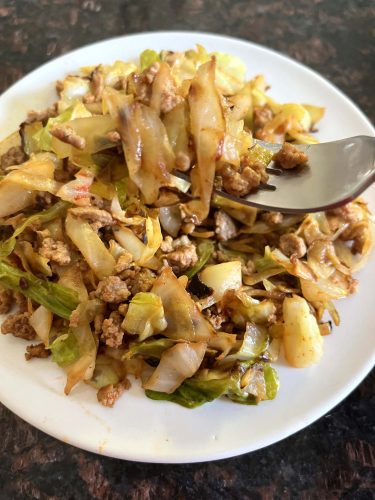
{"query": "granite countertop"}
{"type": "Point", "coordinates": [335, 456]}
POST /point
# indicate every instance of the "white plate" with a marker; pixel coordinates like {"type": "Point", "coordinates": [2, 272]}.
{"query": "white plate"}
{"type": "Point", "coordinates": [150, 431]}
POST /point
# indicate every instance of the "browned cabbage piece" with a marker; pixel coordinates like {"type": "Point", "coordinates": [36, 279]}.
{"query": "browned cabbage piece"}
{"type": "Point", "coordinates": [148, 154]}
{"type": "Point", "coordinates": [184, 319]}
{"type": "Point", "coordinates": [176, 364]}
{"type": "Point", "coordinates": [207, 125]}
{"type": "Point", "coordinates": [177, 124]}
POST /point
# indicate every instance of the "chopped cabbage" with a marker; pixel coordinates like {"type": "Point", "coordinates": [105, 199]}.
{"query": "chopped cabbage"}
{"type": "Point", "coordinates": [65, 349]}
{"type": "Point", "coordinates": [246, 383]}
{"type": "Point", "coordinates": [41, 320]}
{"type": "Point", "coordinates": [176, 364]}
{"type": "Point", "coordinates": [145, 316]}
{"type": "Point", "coordinates": [183, 317]}
{"type": "Point", "coordinates": [222, 277]}
{"type": "Point", "coordinates": [57, 298]}
{"type": "Point", "coordinates": [204, 250]}
{"type": "Point", "coordinates": [90, 245]}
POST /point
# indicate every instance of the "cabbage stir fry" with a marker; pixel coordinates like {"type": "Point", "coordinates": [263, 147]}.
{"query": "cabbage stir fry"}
{"type": "Point", "coordinates": [119, 267]}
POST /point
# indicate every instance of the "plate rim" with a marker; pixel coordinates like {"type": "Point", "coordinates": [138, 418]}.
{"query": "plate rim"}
{"type": "Point", "coordinates": [274, 436]}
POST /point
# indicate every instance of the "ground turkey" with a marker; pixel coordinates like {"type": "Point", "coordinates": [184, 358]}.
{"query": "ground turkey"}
{"type": "Point", "coordinates": [272, 218]}
{"type": "Point", "coordinates": [239, 183]}
{"type": "Point", "coordinates": [109, 394]}
{"type": "Point", "coordinates": [291, 244]}
{"type": "Point", "coordinates": [289, 156]}
{"type": "Point", "coordinates": [112, 333]}
{"type": "Point", "coordinates": [113, 290]}
{"type": "Point", "coordinates": [14, 156]}
{"type": "Point", "coordinates": [55, 251]}
{"type": "Point", "coordinates": [225, 226]}
{"type": "Point", "coordinates": [6, 301]}
{"type": "Point", "coordinates": [36, 351]}
{"type": "Point", "coordinates": [95, 216]}
{"type": "Point", "coordinates": [19, 326]}
{"type": "Point", "coordinates": [181, 253]}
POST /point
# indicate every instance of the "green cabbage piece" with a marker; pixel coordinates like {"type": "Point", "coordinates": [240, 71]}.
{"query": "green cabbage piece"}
{"type": "Point", "coordinates": [258, 153]}
{"type": "Point", "coordinates": [244, 308]}
{"type": "Point", "coordinates": [192, 392]}
{"type": "Point", "coordinates": [82, 368]}
{"type": "Point", "coordinates": [106, 372]}
{"type": "Point", "coordinates": [43, 138]}
{"type": "Point", "coordinates": [121, 190]}
{"type": "Point", "coordinates": [202, 388]}
{"type": "Point", "coordinates": [204, 250]}
{"type": "Point", "coordinates": [267, 380]}
{"type": "Point", "coordinates": [265, 267]}
{"type": "Point", "coordinates": [267, 263]}
{"type": "Point", "coordinates": [254, 343]}
{"type": "Point", "coordinates": [56, 298]}
{"type": "Point", "coordinates": [65, 349]}
{"type": "Point", "coordinates": [147, 58]}
{"type": "Point", "coordinates": [28, 131]}
{"type": "Point", "coordinates": [272, 381]}
{"type": "Point", "coordinates": [57, 210]}
{"type": "Point", "coordinates": [152, 348]}
{"type": "Point", "coordinates": [230, 70]}
{"type": "Point", "coordinates": [230, 73]}
{"type": "Point", "coordinates": [145, 316]}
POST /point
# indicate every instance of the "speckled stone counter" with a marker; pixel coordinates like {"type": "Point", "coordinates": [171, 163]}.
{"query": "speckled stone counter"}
{"type": "Point", "coordinates": [334, 457]}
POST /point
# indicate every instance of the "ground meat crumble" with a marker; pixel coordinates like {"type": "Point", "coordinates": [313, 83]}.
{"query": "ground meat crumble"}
{"type": "Point", "coordinates": [112, 332]}
{"type": "Point", "coordinates": [68, 135]}
{"type": "Point", "coordinates": [41, 116]}
{"type": "Point", "coordinates": [180, 254]}
{"type": "Point", "coordinates": [123, 262]}
{"type": "Point", "coordinates": [21, 301]}
{"type": "Point", "coordinates": [113, 290]}
{"type": "Point", "coordinates": [95, 216]}
{"type": "Point", "coordinates": [55, 251]}
{"type": "Point", "coordinates": [289, 156]}
{"type": "Point", "coordinates": [109, 394]}
{"type": "Point", "coordinates": [138, 279]}
{"type": "Point", "coordinates": [98, 323]}
{"type": "Point", "coordinates": [272, 218]}
{"type": "Point", "coordinates": [215, 318]}
{"type": "Point", "coordinates": [36, 351]}
{"type": "Point", "coordinates": [225, 228]}
{"type": "Point", "coordinates": [97, 86]}
{"type": "Point", "coordinates": [14, 156]}
{"type": "Point", "coordinates": [6, 301]}
{"type": "Point", "coordinates": [144, 81]}
{"type": "Point", "coordinates": [241, 182]}
{"type": "Point", "coordinates": [169, 98]}
{"type": "Point", "coordinates": [19, 326]}
{"type": "Point", "coordinates": [291, 244]}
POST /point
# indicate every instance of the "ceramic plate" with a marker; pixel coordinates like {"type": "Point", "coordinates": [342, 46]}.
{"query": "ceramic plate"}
{"type": "Point", "coordinates": [144, 430]}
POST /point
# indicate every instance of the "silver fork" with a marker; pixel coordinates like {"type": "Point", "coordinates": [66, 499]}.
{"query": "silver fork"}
{"type": "Point", "coordinates": [335, 174]}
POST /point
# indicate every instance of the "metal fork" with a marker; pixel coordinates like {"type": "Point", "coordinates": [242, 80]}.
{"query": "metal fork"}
{"type": "Point", "coordinates": [335, 174]}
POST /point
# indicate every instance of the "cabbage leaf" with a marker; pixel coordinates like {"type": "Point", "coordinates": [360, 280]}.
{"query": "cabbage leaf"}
{"type": "Point", "coordinates": [207, 387]}
{"type": "Point", "coordinates": [57, 298]}
{"type": "Point", "coordinates": [145, 316]}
